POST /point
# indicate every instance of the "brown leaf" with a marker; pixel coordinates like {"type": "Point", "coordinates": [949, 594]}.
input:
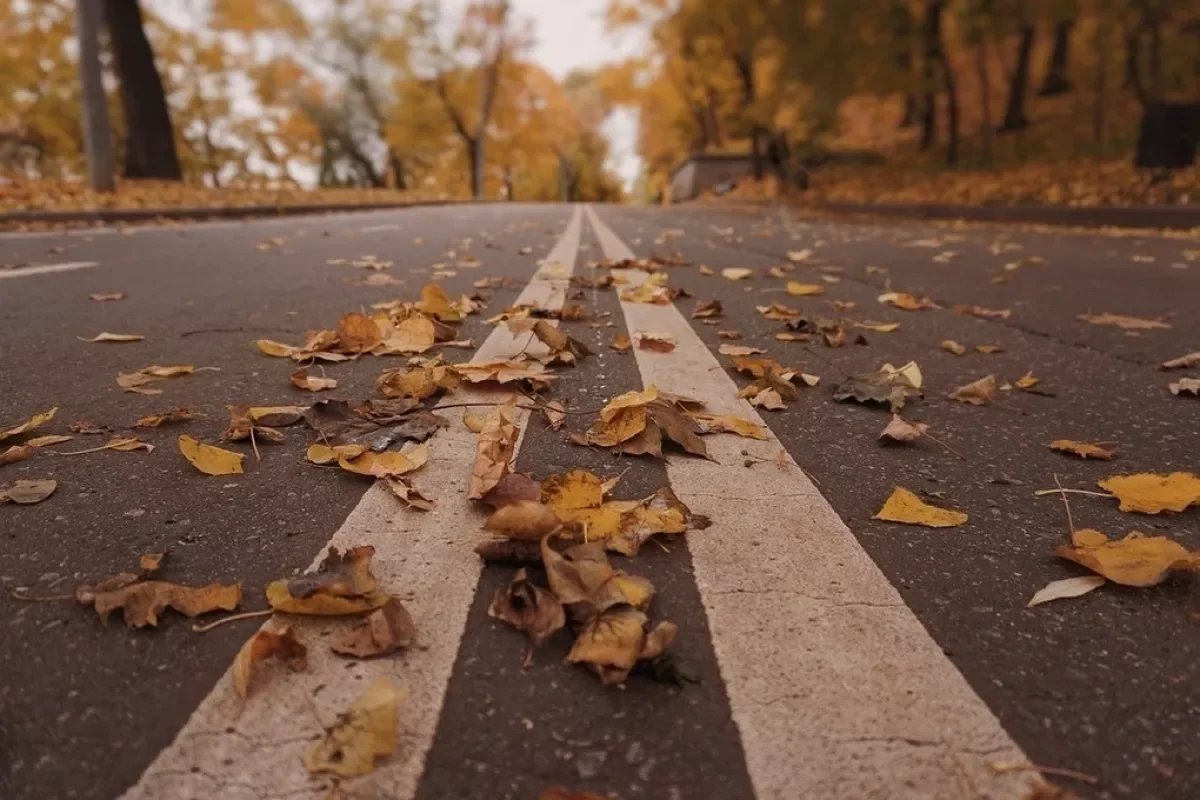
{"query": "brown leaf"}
{"type": "Point", "coordinates": [1123, 322]}
{"type": "Point", "coordinates": [385, 630]}
{"type": "Point", "coordinates": [267, 643]}
{"type": "Point", "coordinates": [405, 493]}
{"type": "Point", "coordinates": [312, 383]}
{"type": "Point", "coordinates": [526, 520]}
{"type": "Point", "coordinates": [951, 346]}
{"type": "Point", "coordinates": [739, 350]}
{"type": "Point", "coordinates": [368, 731]}
{"type": "Point", "coordinates": [494, 450]}
{"type": "Point", "coordinates": [418, 381]}
{"type": "Point", "coordinates": [106, 296]}
{"type": "Point", "coordinates": [34, 422]}
{"type": "Point", "coordinates": [341, 584]}
{"type": "Point", "coordinates": [529, 608]}
{"type": "Point", "coordinates": [906, 301]}
{"type": "Point", "coordinates": [137, 382]}
{"type": "Point", "coordinates": [1083, 449]}
{"type": "Point", "coordinates": [657, 342]}
{"type": "Point", "coordinates": [48, 440]}
{"type": "Point", "coordinates": [621, 344]}
{"type": "Point", "coordinates": [889, 384]}
{"type": "Point", "coordinates": [142, 601]}
{"type": "Point", "coordinates": [113, 337]}
{"type": "Point", "coordinates": [708, 309]}
{"type": "Point", "coordinates": [156, 420]}
{"type": "Point", "coordinates": [989, 349]}
{"type": "Point", "coordinates": [1183, 362]}
{"type": "Point", "coordinates": [555, 413]}
{"type": "Point", "coordinates": [983, 313]}
{"type": "Point", "coordinates": [387, 464]}
{"type": "Point", "coordinates": [1185, 386]}
{"type": "Point", "coordinates": [901, 431]}
{"type": "Point", "coordinates": [16, 453]}
{"type": "Point", "coordinates": [976, 393]}
{"type": "Point", "coordinates": [27, 492]}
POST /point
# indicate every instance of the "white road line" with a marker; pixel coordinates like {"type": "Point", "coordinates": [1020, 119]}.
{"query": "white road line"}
{"type": "Point", "coordinates": [24, 272]}
{"type": "Point", "coordinates": [428, 560]}
{"type": "Point", "coordinates": [836, 688]}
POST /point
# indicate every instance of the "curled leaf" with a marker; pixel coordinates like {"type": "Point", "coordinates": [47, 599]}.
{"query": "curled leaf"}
{"type": "Point", "coordinates": [529, 608]}
{"type": "Point", "coordinates": [34, 422]}
{"type": "Point", "coordinates": [267, 643]}
{"type": "Point", "coordinates": [385, 630]}
{"type": "Point", "coordinates": [113, 337]}
{"type": "Point", "coordinates": [1083, 449]}
{"type": "Point", "coordinates": [312, 383]}
{"type": "Point", "coordinates": [1066, 588]}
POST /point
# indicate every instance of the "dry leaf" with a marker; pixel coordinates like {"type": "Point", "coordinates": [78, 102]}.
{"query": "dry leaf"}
{"type": "Point", "coordinates": [504, 371]}
{"type": "Point", "coordinates": [1123, 322]}
{"type": "Point", "coordinates": [388, 463]}
{"type": "Point", "coordinates": [27, 492]}
{"type": "Point", "coordinates": [36, 421]}
{"type": "Point", "coordinates": [1083, 449]}
{"type": "Point", "coordinates": [104, 297]}
{"type": "Point", "coordinates": [267, 643]}
{"type": "Point", "coordinates": [656, 342]}
{"type": "Point", "coordinates": [113, 337]}
{"type": "Point", "coordinates": [878, 327]}
{"type": "Point", "coordinates": [208, 459]}
{"type": "Point", "coordinates": [1183, 362]}
{"type": "Point", "coordinates": [529, 608]}
{"type": "Point", "coordinates": [312, 383]}
{"type": "Point", "coordinates": [1185, 386]}
{"type": "Point", "coordinates": [906, 301]}
{"type": "Point", "coordinates": [889, 384]}
{"type": "Point", "coordinates": [976, 393]}
{"type": "Point", "coordinates": [788, 336]}
{"type": "Point", "coordinates": [405, 493]}
{"type": "Point", "coordinates": [739, 350]}
{"type": "Point", "coordinates": [983, 313]}
{"type": "Point", "coordinates": [16, 453]}
{"type": "Point", "coordinates": [904, 506]}
{"type": "Point", "coordinates": [555, 413]}
{"type": "Point", "coordinates": [494, 450]}
{"type": "Point", "coordinates": [798, 289]}
{"type": "Point", "coordinates": [1026, 382]}
{"type": "Point", "coordinates": [951, 346]}
{"type": "Point", "coordinates": [1136, 560]}
{"type": "Point", "coordinates": [612, 642]}
{"type": "Point", "coordinates": [418, 381]}
{"type": "Point", "coordinates": [798, 256]}
{"type": "Point", "coordinates": [142, 601]}
{"type": "Point", "coordinates": [728, 423]}
{"type": "Point", "coordinates": [1066, 588]}
{"type": "Point", "coordinates": [901, 431]}
{"type": "Point", "coordinates": [341, 584]}
{"type": "Point", "coordinates": [732, 335]}
{"type": "Point", "coordinates": [621, 344]}
{"type": "Point", "coordinates": [561, 793]}
{"type": "Point", "coordinates": [136, 381]}
{"type": "Point", "coordinates": [156, 420]}
{"type": "Point", "coordinates": [323, 454]}
{"type": "Point", "coordinates": [1148, 493]}
{"type": "Point", "coordinates": [777, 312]}
{"type": "Point", "coordinates": [385, 630]}
{"type": "Point", "coordinates": [370, 729]}
{"type": "Point", "coordinates": [989, 349]}
{"type": "Point", "coordinates": [523, 520]}
{"type": "Point", "coordinates": [736, 273]}
{"type": "Point", "coordinates": [708, 309]}
{"type": "Point", "coordinates": [46, 441]}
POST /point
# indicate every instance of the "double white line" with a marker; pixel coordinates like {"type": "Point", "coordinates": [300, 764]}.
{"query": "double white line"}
{"type": "Point", "coordinates": [836, 688]}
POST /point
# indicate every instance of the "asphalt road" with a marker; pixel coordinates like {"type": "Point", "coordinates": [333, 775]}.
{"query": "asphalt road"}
{"type": "Point", "coordinates": [1106, 685]}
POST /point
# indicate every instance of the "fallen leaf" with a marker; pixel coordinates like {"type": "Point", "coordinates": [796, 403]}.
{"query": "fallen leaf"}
{"type": "Point", "coordinates": [405, 493]}
{"type": "Point", "coordinates": [312, 383]}
{"type": "Point", "coordinates": [504, 371]}
{"type": "Point", "coordinates": [656, 342]}
{"type": "Point", "coordinates": [387, 464]}
{"type": "Point", "coordinates": [983, 313]}
{"type": "Point", "coordinates": [561, 793]}
{"type": "Point", "coordinates": [886, 385]}
{"type": "Point", "coordinates": [904, 506]}
{"type": "Point", "coordinates": [1066, 588]}
{"type": "Point", "coordinates": [141, 601]}
{"type": "Point", "coordinates": [27, 492]}
{"type": "Point", "coordinates": [798, 256]}
{"type": "Point", "coordinates": [494, 450]}
{"type": "Point", "coordinates": [976, 393]}
{"type": "Point", "coordinates": [208, 459]}
{"type": "Point", "coordinates": [46, 441]}
{"type": "Point", "coordinates": [324, 454]}
{"type": "Point", "coordinates": [524, 520]}
{"type": "Point", "coordinates": [788, 336]}
{"type": "Point", "coordinates": [906, 301]}
{"type": "Point", "coordinates": [1083, 449]}
{"type": "Point", "coordinates": [104, 297]}
{"type": "Point", "coordinates": [418, 381]}
{"type": "Point", "coordinates": [1026, 382]}
{"type": "Point", "coordinates": [878, 327]}
{"type": "Point", "coordinates": [1148, 493]}
{"type": "Point", "coordinates": [901, 431]}
{"type": "Point", "coordinates": [739, 350]}
{"type": "Point", "coordinates": [529, 608]}
{"type": "Point", "coordinates": [1137, 560]}
{"type": "Point", "coordinates": [1123, 322]}
{"type": "Point", "coordinates": [157, 420]}
{"type": "Point", "coordinates": [736, 273]}
{"type": "Point", "coordinates": [267, 643]}
{"type": "Point", "coordinates": [612, 642]}
{"type": "Point", "coordinates": [125, 444]}
{"type": "Point", "coordinates": [369, 730]}
{"type": "Point", "coordinates": [16, 453]}
{"type": "Point", "coordinates": [1185, 386]}
{"type": "Point", "coordinates": [1183, 362]}
{"type": "Point", "coordinates": [385, 630]}
{"type": "Point", "coordinates": [34, 422]}
{"type": "Point", "coordinates": [708, 309]}
{"type": "Point", "coordinates": [413, 335]}
{"type": "Point", "coordinates": [728, 423]}
{"type": "Point", "coordinates": [733, 335]}
{"type": "Point", "coordinates": [777, 312]}
{"type": "Point", "coordinates": [951, 346]}
{"type": "Point", "coordinates": [649, 292]}
{"type": "Point", "coordinates": [341, 584]}
{"type": "Point", "coordinates": [798, 289]}
{"type": "Point", "coordinates": [113, 337]}
{"type": "Point", "coordinates": [556, 414]}
{"type": "Point", "coordinates": [621, 344]}
{"type": "Point", "coordinates": [136, 381]}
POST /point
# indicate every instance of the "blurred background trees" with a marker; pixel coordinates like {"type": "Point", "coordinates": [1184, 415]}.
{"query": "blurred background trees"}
{"type": "Point", "coordinates": [344, 93]}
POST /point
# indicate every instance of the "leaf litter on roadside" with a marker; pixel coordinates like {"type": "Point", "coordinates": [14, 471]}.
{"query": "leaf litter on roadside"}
{"type": "Point", "coordinates": [639, 423]}
{"type": "Point", "coordinates": [141, 599]}
{"type": "Point", "coordinates": [342, 584]}
{"type": "Point", "coordinates": [893, 386]}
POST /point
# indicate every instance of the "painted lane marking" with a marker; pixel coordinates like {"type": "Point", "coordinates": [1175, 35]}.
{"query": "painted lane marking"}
{"type": "Point", "coordinates": [45, 269]}
{"type": "Point", "coordinates": [836, 688]}
{"type": "Point", "coordinates": [428, 560]}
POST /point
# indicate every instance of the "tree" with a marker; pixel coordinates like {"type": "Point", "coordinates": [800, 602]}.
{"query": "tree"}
{"type": "Point", "coordinates": [1057, 81]}
{"type": "Point", "coordinates": [97, 138]}
{"type": "Point", "coordinates": [150, 138]}
{"type": "Point", "coordinates": [1015, 118]}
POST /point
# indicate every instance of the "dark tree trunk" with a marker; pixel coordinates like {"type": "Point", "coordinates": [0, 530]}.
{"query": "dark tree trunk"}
{"type": "Point", "coordinates": [1133, 54]}
{"type": "Point", "coordinates": [1014, 112]}
{"type": "Point", "coordinates": [911, 109]}
{"type": "Point", "coordinates": [150, 139]}
{"type": "Point", "coordinates": [745, 68]}
{"type": "Point", "coordinates": [1057, 82]}
{"type": "Point", "coordinates": [399, 176]}
{"type": "Point", "coordinates": [932, 34]}
{"type": "Point", "coordinates": [1169, 136]}
{"type": "Point", "coordinates": [985, 97]}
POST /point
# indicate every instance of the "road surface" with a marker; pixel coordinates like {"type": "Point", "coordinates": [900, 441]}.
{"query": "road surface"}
{"type": "Point", "coordinates": [838, 656]}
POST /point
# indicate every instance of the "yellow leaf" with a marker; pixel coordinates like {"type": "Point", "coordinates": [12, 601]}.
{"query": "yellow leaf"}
{"type": "Point", "coordinates": [113, 337]}
{"type": "Point", "coordinates": [324, 454]}
{"type": "Point", "coordinates": [736, 273]}
{"type": "Point", "coordinates": [276, 349]}
{"type": "Point", "coordinates": [1149, 493]}
{"type": "Point", "coordinates": [357, 333]}
{"type": "Point", "coordinates": [878, 327]}
{"type": "Point", "coordinates": [1123, 322]}
{"type": "Point", "coordinates": [1083, 449]}
{"type": "Point", "coordinates": [46, 441]}
{"type": "Point", "coordinates": [416, 334]}
{"type": "Point", "coordinates": [904, 506]}
{"type": "Point", "coordinates": [728, 423]}
{"type": "Point", "coordinates": [1026, 382]}
{"type": "Point", "coordinates": [267, 643]}
{"type": "Point", "coordinates": [621, 343]}
{"type": "Point", "coordinates": [369, 730]}
{"type": "Point", "coordinates": [106, 296]}
{"type": "Point", "coordinates": [36, 421]}
{"type": "Point", "coordinates": [389, 463]}
{"type": "Point", "coordinates": [798, 289]}
{"type": "Point", "coordinates": [208, 459]}
{"type": "Point", "coordinates": [951, 346]}
{"type": "Point", "coordinates": [572, 491]}
{"type": "Point", "coordinates": [906, 301]}
{"type": "Point", "coordinates": [1136, 560]}
{"type": "Point", "coordinates": [435, 302]}
{"type": "Point", "coordinates": [798, 256]}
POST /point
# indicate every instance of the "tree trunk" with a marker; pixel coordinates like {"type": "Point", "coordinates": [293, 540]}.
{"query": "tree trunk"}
{"type": "Point", "coordinates": [985, 98]}
{"type": "Point", "coordinates": [909, 118]}
{"type": "Point", "coordinates": [475, 156]}
{"type": "Point", "coordinates": [948, 83]}
{"type": "Point", "coordinates": [745, 68]}
{"type": "Point", "coordinates": [1101, 87]}
{"type": "Point", "coordinates": [1057, 82]}
{"type": "Point", "coordinates": [932, 34]}
{"type": "Point", "coordinates": [396, 167]}
{"type": "Point", "coordinates": [150, 143]}
{"type": "Point", "coordinates": [97, 137]}
{"type": "Point", "coordinates": [1014, 112]}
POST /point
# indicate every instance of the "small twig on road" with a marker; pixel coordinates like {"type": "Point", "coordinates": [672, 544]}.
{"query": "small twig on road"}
{"type": "Point", "coordinates": [200, 331]}
{"type": "Point", "coordinates": [18, 593]}
{"type": "Point", "coordinates": [1066, 505]}
{"type": "Point", "coordinates": [1001, 767]}
{"type": "Point", "coordinates": [232, 618]}
{"type": "Point", "coordinates": [1044, 492]}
